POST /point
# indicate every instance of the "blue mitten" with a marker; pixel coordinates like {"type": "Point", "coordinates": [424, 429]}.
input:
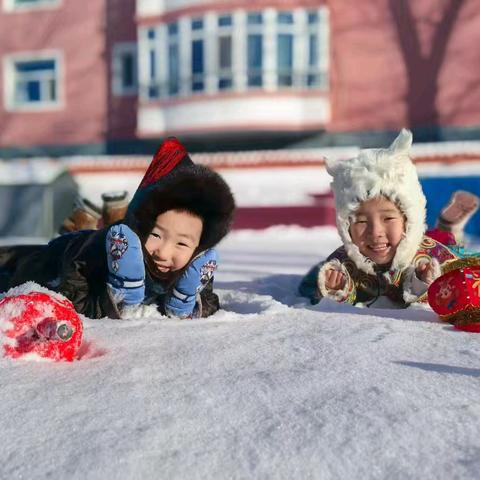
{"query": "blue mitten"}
{"type": "Point", "coordinates": [181, 302]}
{"type": "Point", "coordinates": [126, 270]}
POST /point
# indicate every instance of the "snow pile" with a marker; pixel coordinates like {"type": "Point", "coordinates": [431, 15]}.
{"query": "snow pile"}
{"type": "Point", "coordinates": [269, 387]}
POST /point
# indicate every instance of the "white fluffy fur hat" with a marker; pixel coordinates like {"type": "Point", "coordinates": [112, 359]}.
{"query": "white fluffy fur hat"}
{"type": "Point", "coordinates": [374, 172]}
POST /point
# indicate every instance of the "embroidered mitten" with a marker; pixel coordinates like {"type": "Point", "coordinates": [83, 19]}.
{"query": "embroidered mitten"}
{"type": "Point", "coordinates": [126, 270]}
{"type": "Point", "coordinates": [181, 302]}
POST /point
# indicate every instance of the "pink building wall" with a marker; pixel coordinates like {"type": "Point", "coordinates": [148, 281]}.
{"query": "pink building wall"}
{"type": "Point", "coordinates": [122, 111]}
{"type": "Point", "coordinates": [76, 30]}
{"type": "Point", "coordinates": [377, 85]}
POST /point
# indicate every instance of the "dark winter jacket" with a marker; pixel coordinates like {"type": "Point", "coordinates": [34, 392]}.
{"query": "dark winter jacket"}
{"type": "Point", "coordinates": [75, 264]}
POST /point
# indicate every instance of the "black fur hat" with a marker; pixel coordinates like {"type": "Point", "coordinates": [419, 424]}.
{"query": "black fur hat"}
{"type": "Point", "coordinates": [197, 190]}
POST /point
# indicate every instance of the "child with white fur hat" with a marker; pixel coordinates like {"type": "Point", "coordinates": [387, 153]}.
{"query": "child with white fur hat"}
{"type": "Point", "coordinates": [386, 260]}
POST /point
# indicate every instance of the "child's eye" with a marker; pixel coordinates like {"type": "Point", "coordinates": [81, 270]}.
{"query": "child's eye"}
{"type": "Point", "coordinates": [156, 235]}
{"type": "Point", "coordinates": [181, 244]}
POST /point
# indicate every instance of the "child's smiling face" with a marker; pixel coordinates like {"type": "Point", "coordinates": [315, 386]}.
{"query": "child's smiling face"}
{"type": "Point", "coordinates": [377, 227]}
{"type": "Point", "coordinates": [173, 240]}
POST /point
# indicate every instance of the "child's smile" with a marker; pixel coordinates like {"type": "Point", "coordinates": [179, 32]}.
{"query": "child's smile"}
{"type": "Point", "coordinates": [377, 229]}
{"type": "Point", "coordinates": [379, 253]}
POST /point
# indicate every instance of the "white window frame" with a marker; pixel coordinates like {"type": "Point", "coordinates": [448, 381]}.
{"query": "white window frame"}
{"type": "Point", "coordinates": [119, 50]}
{"type": "Point", "coordinates": [324, 50]}
{"type": "Point", "coordinates": [12, 6]}
{"type": "Point", "coordinates": [9, 63]}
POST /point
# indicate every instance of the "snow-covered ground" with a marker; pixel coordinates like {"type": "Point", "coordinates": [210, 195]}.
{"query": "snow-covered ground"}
{"type": "Point", "coordinates": [269, 387]}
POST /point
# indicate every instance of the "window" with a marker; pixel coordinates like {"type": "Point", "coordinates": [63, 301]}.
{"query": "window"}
{"type": "Point", "coordinates": [153, 86]}
{"type": "Point", "coordinates": [317, 49]}
{"type": "Point", "coordinates": [285, 60]}
{"type": "Point", "coordinates": [313, 71]}
{"type": "Point", "coordinates": [10, 5]}
{"type": "Point", "coordinates": [254, 50]}
{"type": "Point", "coordinates": [198, 56]}
{"type": "Point", "coordinates": [285, 39]}
{"type": "Point", "coordinates": [313, 75]}
{"type": "Point", "coordinates": [225, 71]}
{"type": "Point", "coordinates": [125, 69]}
{"type": "Point", "coordinates": [32, 82]}
{"type": "Point", "coordinates": [173, 59]}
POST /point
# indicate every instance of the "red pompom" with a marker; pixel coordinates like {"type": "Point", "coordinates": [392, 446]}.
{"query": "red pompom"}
{"type": "Point", "coordinates": [40, 325]}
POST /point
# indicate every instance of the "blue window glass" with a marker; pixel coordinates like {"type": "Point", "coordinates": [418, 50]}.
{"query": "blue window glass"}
{"type": "Point", "coordinates": [225, 20]}
{"type": "Point", "coordinates": [173, 70]}
{"type": "Point", "coordinates": [285, 18]}
{"type": "Point", "coordinates": [312, 17]}
{"type": "Point", "coordinates": [225, 52]}
{"type": "Point", "coordinates": [197, 56]}
{"type": "Point", "coordinates": [197, 65]}
{"type": "Point", "coordinates": [35, 66]}
{"type": "Point", "coordinates": [313, 50]}
{"type": "Point", "coordinates": [197, 24]}
{"type": "Point", "coordinates": [254, 18]}
{"type": "Point", "coordinates": [285, 59]}
{"type": "Point", "coordinates": [153, 64]}
{"type": "Point", "coordinates": [33, 91]}
{"type": "Point", "coordinates": [153, 90]}
{"type": "Point", "coordinates": [172, 28]}
{"type": "Point", "coordinates": [225, 73]}
{"type": "Point", "coordinates": [225, 84]}
{"type": "Point", "coordinates": [151, 34]}
{"type": "Point", "coordinates": [128, 69]}
{"type": "Point", "coordinates": [52, 87]}
{"type": "Point", "coordinates": [33, 2]}
{"type": "Point", "coordinates": [313, 77]}
{"type": "Point", "coordinates": [254, 60]}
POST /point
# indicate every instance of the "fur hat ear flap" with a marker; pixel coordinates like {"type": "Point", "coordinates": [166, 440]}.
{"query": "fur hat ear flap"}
{"type": "Point", "coordinates": [331, 166]}
{"type": "Point", "coordinates": [403, 142]}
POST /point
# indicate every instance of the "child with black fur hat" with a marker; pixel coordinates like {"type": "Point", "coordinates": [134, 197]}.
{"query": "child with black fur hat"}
{"type": "Point", "coordinates": [160, 258]}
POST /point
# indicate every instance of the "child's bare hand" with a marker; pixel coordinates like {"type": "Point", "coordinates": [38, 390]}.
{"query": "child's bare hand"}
{"type": "Point", "coordinates": [425, 272]}
{"type": "Point", "coordinates": [334, 279]}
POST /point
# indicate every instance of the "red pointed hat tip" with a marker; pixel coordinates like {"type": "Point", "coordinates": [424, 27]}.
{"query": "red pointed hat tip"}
{"type": "Point", "coordinates": [171, 143]}
{"type": "Point", "coordinates": [166, 158]}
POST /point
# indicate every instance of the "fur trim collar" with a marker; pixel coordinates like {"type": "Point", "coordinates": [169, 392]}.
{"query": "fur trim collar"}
{"type": "Point", "coordinates": [378, 172]}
